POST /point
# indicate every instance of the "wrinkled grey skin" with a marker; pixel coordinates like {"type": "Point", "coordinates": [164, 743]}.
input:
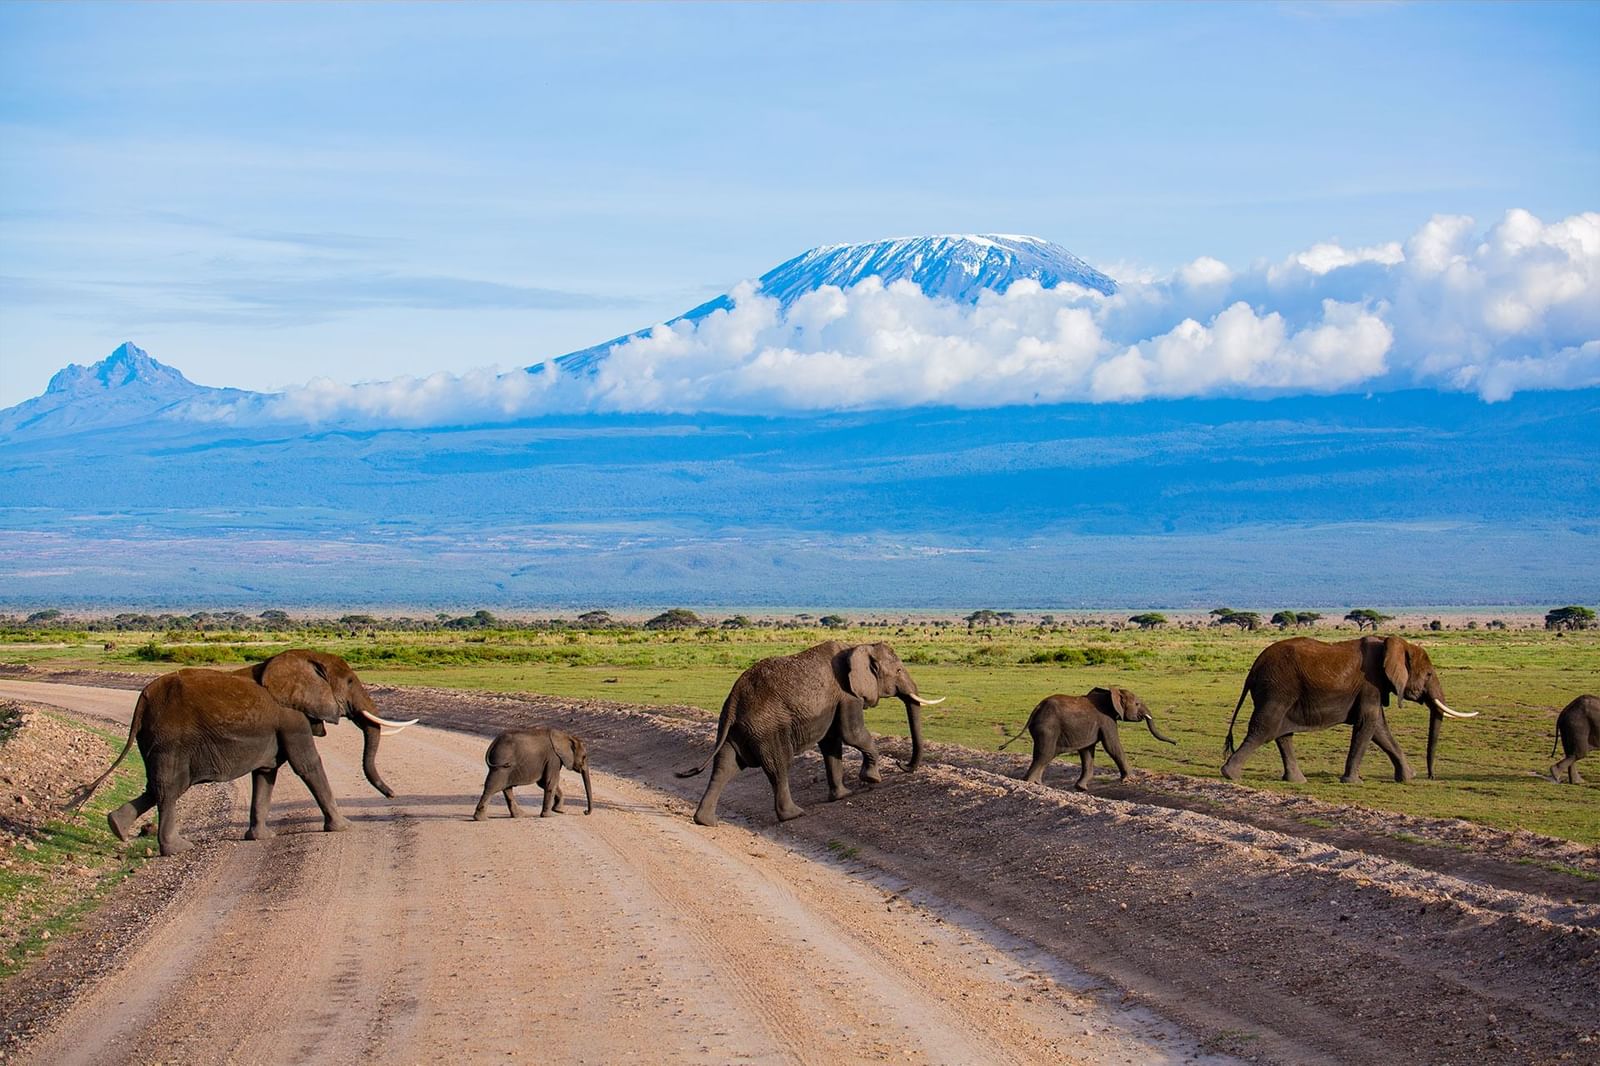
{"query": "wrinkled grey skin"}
{"type": "Point", "coordinates": [197, 726]}
{"type": "Point", "coordinates": [1300, 685]}
{"type": "Point", "coordinates": [1078, 723]}
{"type": "Point", "coordinates": [525, 756]}
{"type": "Point", "coordinates": [1578, 729]}
{"type": "Point", "coordinates": [784, 704]}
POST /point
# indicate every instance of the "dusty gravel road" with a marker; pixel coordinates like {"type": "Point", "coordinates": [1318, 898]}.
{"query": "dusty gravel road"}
{"type": "Point", "coordinates": [632, 935]}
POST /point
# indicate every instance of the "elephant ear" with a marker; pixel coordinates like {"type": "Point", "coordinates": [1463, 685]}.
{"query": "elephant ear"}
{"type": "Point", "coordinates": [301, 682]}
{"type": "Point", "coordinates": [1396, 669]}
{"type": "Point", "coordinates": [861, 678]}
{"type": "Point", "coordinates": [566, 747]}
{"type": "Point", "coordinates": [1108, 697]}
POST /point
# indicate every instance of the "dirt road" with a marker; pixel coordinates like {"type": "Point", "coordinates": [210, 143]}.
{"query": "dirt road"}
{"type": "Point", "coordinates": [632, 935]}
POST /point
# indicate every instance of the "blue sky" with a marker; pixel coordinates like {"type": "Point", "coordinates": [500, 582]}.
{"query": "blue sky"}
{"type": "Point", "coordinates": [260, 195]}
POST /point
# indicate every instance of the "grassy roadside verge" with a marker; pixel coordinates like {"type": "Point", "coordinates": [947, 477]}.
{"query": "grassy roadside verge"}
{"type": "Point", "coordinates": [1490, 768]}
{"type": "Point", "coordinates": [66, 867]}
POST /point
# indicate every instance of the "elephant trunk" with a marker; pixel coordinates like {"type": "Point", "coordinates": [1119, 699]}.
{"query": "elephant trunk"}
{"type": "Point", "coordinates": [588, 791]}
{"type": "Point", "coordinates": [370, 734]}
{"type": "Point", "coordinates": [1150, 724]}
{"type": "Point", "coordinates": [1434, 721]}
{"type": "Point", "coordinates": [914, 720]}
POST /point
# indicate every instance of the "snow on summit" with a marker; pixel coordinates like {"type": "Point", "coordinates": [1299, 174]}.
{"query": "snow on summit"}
{"type": "Point", "coordinates": [957, 267]}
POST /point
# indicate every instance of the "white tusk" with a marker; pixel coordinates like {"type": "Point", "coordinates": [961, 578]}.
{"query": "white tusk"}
{"type": "Point", "coordinates": [1448, 713]}
{"type": "Point", "coordinates": [920, 702]}
{"type": "Point", "coordinates": [385, 727]}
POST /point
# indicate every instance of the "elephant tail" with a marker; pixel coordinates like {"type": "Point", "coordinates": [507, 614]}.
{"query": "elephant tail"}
{"type": "Point", "coordinates": [724, 727]}
{"type": "Point", "coordinates": [80, 797]}
{"type": "Point", "coordinates": [1014, 738]}
{"type": "Point", "coordinates": [1228, 748]}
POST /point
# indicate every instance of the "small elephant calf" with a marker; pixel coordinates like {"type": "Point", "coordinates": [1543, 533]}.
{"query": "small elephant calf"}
{"type": "Point", "coordinates": [523, 756]}
{"type": "Point", "coordinates": [1078, 723]}
{"type": "Point", "coordinates": [1578, 728]}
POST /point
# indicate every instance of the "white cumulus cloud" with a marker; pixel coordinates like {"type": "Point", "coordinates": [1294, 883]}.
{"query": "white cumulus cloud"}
{"type": "Point", "coordinates": [1512, 307]}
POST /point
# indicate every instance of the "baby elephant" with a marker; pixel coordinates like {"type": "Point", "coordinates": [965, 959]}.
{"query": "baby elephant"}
{"type": "Point", "coordinates": [523, 756]}
{"type": "Point", "coordinates": [1578, 728]}
{"type": "Point", "coordinates": [1078, 723]}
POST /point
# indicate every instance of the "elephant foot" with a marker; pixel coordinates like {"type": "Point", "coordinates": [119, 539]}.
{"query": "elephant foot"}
{"type": "Point", "coordinates": [1351, 779]}
{"type": "Point", "coordinates": [706, 818]}
{"type": "Point", "coordinates": [1295, 777]}
{"type": "Point", "coordinates": [120, 830]}
{"type": "Point", "coordinates": [834, 795]}
{"type": "Point", "coordinates": [1402, 776]}
{"type": "Point", "coordinates": [870, 775]}
{"type": "Point", "coordinates": [336, 825]}
{"type": "Point", "coordinates": [479, 815]}
{"type": "Point", "coordinates": [790, 814]}
{"type": "Point", "coordinates": [175, 845]}
{"type": "Point", "coordinates": [1230, 773]}
{"type": "Point", "coordinates": [1575, 778]}
{"type": "Point", "coordinates": [259, 832]}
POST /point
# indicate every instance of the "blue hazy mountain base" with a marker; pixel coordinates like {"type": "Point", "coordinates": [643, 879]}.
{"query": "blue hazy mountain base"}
{"type": "Point", "coordinates": [1401, 498]}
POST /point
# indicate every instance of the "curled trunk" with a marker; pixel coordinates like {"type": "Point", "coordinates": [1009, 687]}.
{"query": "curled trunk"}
{"type": "Point", "coordinates": [370, 733]}
{"type": "Point", "coordinates": [1150, 724]}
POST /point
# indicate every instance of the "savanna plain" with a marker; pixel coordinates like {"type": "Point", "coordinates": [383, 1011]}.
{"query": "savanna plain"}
{"type": "Point", "coordinates": [1481, 885]}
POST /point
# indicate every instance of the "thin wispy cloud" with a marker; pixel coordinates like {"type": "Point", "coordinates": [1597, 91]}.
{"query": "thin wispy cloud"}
{"type": "Point", "coordinates": [1454, 306]}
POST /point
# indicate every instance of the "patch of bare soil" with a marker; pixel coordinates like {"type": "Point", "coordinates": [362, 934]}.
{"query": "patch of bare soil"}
{"type": "Point", "coordinates": [1275, 944]}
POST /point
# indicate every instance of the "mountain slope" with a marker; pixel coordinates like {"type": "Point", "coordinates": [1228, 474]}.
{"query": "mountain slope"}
{"type": "Point", "coordinates": [125, 388]}
{"type": "Point", "coordinates": [952, 267]}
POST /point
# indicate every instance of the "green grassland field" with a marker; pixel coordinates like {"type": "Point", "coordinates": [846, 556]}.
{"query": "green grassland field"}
{"type": "Point", "coordinates": [1490, 769]}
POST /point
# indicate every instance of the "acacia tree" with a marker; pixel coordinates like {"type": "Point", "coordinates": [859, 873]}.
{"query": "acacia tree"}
{"type": "Point", "coordinates": [984, 617]}
{"type": "Point", "coordinates": [1227, 616]}
{"type": "Point", "coordinates": [677, 618]}
{"type": "Point", "coordinates": [1570, 617]}
{"type": "Point", "coordinates": [1149, 620]}
{"type": "Point", "coordinates": [1285, 619]}
{"type": "Point", "coordinates": [1367, 618]}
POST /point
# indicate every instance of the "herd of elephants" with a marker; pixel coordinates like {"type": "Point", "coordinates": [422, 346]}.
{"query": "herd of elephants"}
{"type": "Point", "coordinates": [195, 726]}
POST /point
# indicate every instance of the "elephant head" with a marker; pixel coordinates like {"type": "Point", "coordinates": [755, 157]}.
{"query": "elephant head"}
{"type": "Point", "coordinates": [1409, 674]}
{"type": "Point", "coordinates": [574, 756]}
{"type": "Point", "coordinates": [324, 688]}
{"type": "Point", "coordinates": [874, 672]}
{"type": "Point", "coordinates": [1122, 704]}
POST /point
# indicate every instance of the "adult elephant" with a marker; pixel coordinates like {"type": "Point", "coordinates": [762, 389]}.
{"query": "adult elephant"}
{"type": "Point", "coordinates": [818, 696]}
{"type": "Point", "coordinates": [197, 726]}
{"type": "Point", "coordinates": [1299, 685]}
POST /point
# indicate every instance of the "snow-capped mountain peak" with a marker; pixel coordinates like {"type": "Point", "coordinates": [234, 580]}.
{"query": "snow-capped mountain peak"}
{"type": "Point", "coordinates": [957, 267]}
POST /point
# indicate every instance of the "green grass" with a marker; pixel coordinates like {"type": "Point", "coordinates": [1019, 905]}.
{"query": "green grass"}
{"type": "Point", "coordinates": [56, 907]}
{"type": "Point", "coordinates": [1488, 768]}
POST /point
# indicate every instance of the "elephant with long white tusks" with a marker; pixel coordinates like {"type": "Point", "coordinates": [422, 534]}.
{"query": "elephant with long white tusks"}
{"type": "Point", "coordinates": [1300, 685]}
{"type": "Point", "coordinates": [197, 726]}
{"type": "Point", "coordinates": [784, 704]}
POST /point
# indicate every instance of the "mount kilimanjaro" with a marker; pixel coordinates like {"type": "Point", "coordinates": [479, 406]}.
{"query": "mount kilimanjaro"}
{"type": "Point", "coordinates": [126, 483]}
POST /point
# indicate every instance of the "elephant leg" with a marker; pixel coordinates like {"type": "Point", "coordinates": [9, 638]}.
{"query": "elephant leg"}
{"type": "Point", "coordinates": [121, 820]}
{"type": "Point", "coordinates": [261, 782]}
{"type": "Point", "coordinates": [494, 782]}
{"type": "Point", "coordinates": [1086, 775]}
{"type": "Point", "coordinates": [1387, 744]}
{"type": "Point", "coordinates": [512, 805]}
{"type": "Point", "coordinates": [1572, 771]}
{"type": "Point", "coordinates": [1113, 744]}
{"type": "Point", "coordinates": [1360, 737]}
{"type": "Point", "coordinates": [853, 728]}
{"type": "Point", "coordinates": [1044, 753]}
{"type": "Point", "coordinates": [1291, 765]}
{"type": "Point", "coordinates": [174, 785]}
{"type": "Point", "coordinates": [307, 765]}
{"type": "Point", "coordinates": [777, 771]}
{"type": "Point", "coordinates": [832, 748]}
{"type": "Point", "coordinates": [1257, 734]}
{"type": "Point", "coordinates": [723, 768]}
{"type": "Point", "coordinates": [560, 797]}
